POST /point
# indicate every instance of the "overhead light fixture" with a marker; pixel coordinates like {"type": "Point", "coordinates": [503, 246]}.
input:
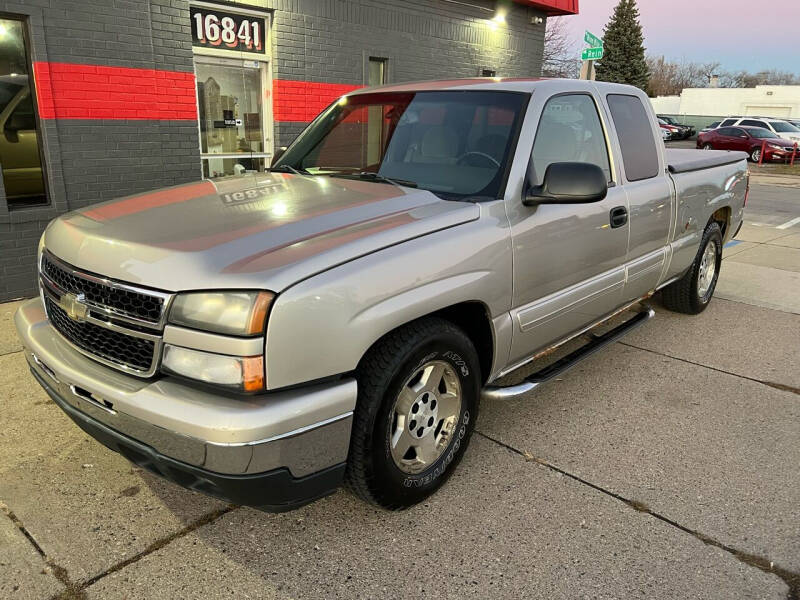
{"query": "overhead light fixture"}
{"type": "Point", "coordinates": [3, 31]}
{"type": "Point", "coordinates": [500, 17]}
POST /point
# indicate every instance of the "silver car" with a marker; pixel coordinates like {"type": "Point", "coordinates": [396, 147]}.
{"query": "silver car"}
{"type": "Point", "coordinates": [266, 338]}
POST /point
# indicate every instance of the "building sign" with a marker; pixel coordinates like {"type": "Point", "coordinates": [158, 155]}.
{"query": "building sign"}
{"type": "Point", "coordinates": [223, 30]}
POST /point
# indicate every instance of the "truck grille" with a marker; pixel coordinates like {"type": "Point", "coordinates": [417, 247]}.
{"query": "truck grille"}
{"type": "Point", "coordinates": [121, 349]}
{"type": "Point", "coordinates": [114, 323]}
{"type": "Point", "coordinates": [124, 301]}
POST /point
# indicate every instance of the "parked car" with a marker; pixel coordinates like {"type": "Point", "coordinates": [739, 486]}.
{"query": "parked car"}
{"type": "Point", "coordinates": [267, 337]}
{"type": "Point", "coordinates": [779, 127]}
{"type": "Point", "coordinates": [675, 133]}
{"type": "Point", "coordinates": [747, 139]}
{"type": "Point", "coordinates": [665, 134]}
{"type": "Point", "coordinates": [711, 126]}
{"type": "Point", "coordinates": [687, 131]}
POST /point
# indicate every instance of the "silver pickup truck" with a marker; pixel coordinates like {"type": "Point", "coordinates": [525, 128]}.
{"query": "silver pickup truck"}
{"type": "Point", "coordinates": [268, 337]}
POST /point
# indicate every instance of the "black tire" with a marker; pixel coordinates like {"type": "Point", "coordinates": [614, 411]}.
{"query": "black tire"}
{"type": "Point", "coordinates": [755, 155]}
{"type": "Point", "coordinates": [683, 295]}
{"type": "Point", "coordinates": [372, 472]}
{"type": "Point", "coordinates": [708, 147]}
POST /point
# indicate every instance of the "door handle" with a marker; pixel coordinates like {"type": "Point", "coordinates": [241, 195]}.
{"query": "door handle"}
{"type": "Point", "coordinates": [618, 216]}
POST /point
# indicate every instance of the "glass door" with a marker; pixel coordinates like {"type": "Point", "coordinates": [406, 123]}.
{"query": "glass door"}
{"type": "Point", "coordinates": [233, 115]}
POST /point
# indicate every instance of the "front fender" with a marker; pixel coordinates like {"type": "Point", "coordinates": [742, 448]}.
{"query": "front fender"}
{"type": "Point", "coordinates": [324, 325]}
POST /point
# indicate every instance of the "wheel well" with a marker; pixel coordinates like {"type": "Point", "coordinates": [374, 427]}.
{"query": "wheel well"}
{"type": "Point", "coordinates": [473, 319]}
{"type": "Point", "coordinates": [723, 217]}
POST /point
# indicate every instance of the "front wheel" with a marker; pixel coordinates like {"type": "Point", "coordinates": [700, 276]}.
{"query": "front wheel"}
{"type": "Point", "coordinates": [708, 147]}
{"type": "Point", "coordinates": [418, 391]}
{"type": "Point", "coordinates": [692, 292]}
{"type": "Point", "coordinates": [755, 155]}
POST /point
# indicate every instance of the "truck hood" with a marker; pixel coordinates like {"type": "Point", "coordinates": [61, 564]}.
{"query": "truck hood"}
{"type": "Point", "coordinates": [264, 231]}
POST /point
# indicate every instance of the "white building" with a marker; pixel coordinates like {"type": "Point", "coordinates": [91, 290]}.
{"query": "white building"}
{"type": "Point", "coordinates": [780, 101]}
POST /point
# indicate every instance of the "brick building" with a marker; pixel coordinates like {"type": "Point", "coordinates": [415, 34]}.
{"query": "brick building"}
{"type": "Point", "coordinates": [105, 98]}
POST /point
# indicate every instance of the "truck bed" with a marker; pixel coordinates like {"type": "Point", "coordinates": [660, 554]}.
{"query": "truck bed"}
{"type": "Point", "coordinates": [683, 160]}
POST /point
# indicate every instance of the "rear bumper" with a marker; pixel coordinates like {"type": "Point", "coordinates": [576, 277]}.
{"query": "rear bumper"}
{"type": "Point", "coordinates": [274, 451]}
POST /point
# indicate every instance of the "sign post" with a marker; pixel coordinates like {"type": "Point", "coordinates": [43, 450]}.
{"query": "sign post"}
{"type": "Point", "coordinates": [591, 54]}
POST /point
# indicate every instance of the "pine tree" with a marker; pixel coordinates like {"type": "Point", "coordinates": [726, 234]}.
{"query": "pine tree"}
{"type": "Point", "coordinates": [623, 58]}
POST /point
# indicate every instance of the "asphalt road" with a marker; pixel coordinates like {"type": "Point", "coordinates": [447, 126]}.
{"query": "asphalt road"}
{"type": "Point", "coordinates": [667, 466]}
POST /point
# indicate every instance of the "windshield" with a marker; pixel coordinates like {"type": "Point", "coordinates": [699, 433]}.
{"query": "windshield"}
{"type": "Point", "coordinates": [761, 133]}
{"type": "Point", "coordinates": [455, 144]}
{"type": "Point", "coordinates": [783, 127]}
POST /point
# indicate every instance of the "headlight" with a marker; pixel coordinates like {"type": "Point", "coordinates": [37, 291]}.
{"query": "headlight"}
{"type": "Point", "coordinates": [232, 313]}
{"type": "Point", "coordinates": [241, 373]}
{"type": "Point", "coordinates": [776, 147]}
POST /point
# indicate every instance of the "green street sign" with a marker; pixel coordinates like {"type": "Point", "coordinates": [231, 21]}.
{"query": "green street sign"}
{"type": "Point", "coordinates": [592, 40]}
{"type": "Point", "coordinates": [592, 54]}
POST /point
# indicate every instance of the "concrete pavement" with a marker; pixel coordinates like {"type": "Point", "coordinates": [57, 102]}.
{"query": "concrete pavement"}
{"type": "Point", "coordinates": [664, 467]}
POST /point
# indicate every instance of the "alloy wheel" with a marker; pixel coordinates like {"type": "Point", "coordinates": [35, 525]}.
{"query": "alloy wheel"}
{"type": "Point", "coordinates": [424, 416]}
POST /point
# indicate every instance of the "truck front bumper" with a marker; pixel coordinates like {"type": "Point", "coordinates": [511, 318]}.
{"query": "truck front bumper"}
{"type": "Point", "coordinates": [274, 451]}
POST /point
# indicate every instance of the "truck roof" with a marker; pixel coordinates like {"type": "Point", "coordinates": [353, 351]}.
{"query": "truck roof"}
{"type": "Point", "coordinates": [506, 84]}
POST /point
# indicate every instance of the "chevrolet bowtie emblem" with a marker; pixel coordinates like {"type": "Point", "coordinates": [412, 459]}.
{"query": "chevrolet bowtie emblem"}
{"type": "Point", "coordinates": [74, 306]}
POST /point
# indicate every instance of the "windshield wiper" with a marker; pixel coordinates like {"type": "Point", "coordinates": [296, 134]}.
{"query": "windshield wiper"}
{"type": "Point", "coordinates": [290, 168]}
{"type": "Point", "coordinates": [368, 176]}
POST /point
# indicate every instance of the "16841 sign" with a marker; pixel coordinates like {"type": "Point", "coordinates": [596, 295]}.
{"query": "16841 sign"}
{"type": "Point", "coordinates": [224, 30]}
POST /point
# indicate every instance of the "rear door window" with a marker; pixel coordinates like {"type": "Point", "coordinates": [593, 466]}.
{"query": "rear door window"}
{"type": "Point", "coordinates": [728, 122]}
{"type": "Point", "coordinates": [753, 123]}
{"type": "Point", "coordinates": [639, 152]}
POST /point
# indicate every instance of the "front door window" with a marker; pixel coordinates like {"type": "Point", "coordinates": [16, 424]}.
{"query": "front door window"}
{"type": "Point", "coordinates": [230, 97]}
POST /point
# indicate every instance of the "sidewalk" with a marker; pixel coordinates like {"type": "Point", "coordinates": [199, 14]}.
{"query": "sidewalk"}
{"type": "Point", "coordinates": [762, 268]}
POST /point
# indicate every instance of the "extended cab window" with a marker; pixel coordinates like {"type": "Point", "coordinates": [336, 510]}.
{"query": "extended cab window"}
{"type": "Point", "coordinates": [639, 152]}
{"type": "Point", "coordinates": [570, 131]}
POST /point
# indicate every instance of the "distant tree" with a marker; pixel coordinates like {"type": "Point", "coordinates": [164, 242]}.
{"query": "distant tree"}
{"type": "Point", "coordinates": [560, 54]}
{"type": "Point", "coordinates": [623, 59]}
{"type": "Point", "coordinates": [668, 78]}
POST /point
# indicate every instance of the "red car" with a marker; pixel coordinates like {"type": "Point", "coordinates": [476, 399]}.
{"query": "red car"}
{"type": "Point", "coordinates": [747, 139]}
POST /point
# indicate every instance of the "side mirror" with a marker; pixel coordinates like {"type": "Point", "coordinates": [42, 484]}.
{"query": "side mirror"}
{"type": "Point", "coordinates": [275, 157]}
{"type": "Point", "coordinates": [569, 183]}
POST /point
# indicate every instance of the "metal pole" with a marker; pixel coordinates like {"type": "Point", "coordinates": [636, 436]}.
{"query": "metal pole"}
{"type": "Point", "coordinates": [794, 153]}
{"type": "Point", "coordinates": [763, 150]}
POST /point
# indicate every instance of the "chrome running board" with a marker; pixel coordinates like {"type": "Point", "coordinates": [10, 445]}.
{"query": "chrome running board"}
{"type": "Point", "coordinates": [595, 343]}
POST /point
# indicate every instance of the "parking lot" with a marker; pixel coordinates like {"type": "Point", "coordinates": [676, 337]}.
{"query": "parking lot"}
{"type": "Point", "coordinates": [665, 467]}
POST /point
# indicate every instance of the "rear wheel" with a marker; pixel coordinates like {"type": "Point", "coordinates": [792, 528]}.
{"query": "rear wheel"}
{"type": "Point", "coordinates": [418, 392]}
{"type": "Point", "coordinates": [692, 292]}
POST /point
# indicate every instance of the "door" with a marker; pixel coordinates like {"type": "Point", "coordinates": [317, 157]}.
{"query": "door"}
{"type": "Point", "coordinates": [567, 258]}
{"type": "Point", "coordinates": [739, 140]}
{"type": "Point", "coordinates": [649, 194]}
{"type": "Point", "coordinates": [233, 116]}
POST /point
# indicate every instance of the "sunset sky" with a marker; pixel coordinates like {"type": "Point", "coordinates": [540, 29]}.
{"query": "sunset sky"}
{"type": "Point", "coordinates": [740, 34]}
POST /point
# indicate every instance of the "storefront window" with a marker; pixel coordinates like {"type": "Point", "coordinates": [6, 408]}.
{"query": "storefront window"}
{"type": "Point", "coordinates": [229, 94]}
{"type": "Point", "coordinates": [20, 157]}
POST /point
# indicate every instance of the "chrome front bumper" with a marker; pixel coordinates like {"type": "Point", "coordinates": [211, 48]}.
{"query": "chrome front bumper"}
{"type": "Point", "coordinates": [304, 430]}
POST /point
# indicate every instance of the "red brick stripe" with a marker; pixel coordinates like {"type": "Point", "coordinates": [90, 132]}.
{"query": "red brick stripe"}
{"type": "Point", "coordinates": [74, 91]}
{"type": "Point", "coordinates": [301, 101]}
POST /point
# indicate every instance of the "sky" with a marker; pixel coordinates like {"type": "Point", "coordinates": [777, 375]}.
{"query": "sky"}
{"type": "Point", "coordinates": [751, 35]}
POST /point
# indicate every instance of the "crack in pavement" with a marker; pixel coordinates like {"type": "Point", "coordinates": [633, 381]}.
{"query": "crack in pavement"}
{"type": "Point", "coordinates": [791, 579]}
{"type": "Point", "coordinates": [777, 386]}
{"type": "Point", "coordinates": [75, 590]}
{"type": "Point", "coordinates": [78, 591]}
{"type": "Point", "coordinates": [60, 573]}
{"type": "Point", "coordinates": [12, 352]}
